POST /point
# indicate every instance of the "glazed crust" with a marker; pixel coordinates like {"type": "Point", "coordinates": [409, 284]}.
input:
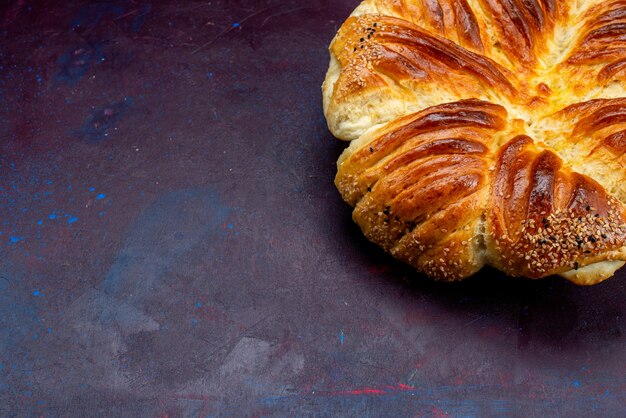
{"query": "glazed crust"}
{"type": "Point", "coordinates": [485, 132]}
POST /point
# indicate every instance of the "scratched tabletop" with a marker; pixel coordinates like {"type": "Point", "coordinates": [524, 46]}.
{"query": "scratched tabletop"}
{"type": "Point", "coordinates": [172, 243]}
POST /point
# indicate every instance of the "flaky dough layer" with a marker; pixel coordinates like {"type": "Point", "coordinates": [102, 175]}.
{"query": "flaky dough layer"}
{"type": "Point", "coordinates": [485, 132]}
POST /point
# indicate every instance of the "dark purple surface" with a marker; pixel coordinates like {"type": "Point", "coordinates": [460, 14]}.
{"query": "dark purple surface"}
{"type": "Point", "coordinates": [172, 243]}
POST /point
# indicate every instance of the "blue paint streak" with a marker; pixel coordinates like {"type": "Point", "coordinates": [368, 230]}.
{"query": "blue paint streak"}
{"type": "Point", "coordinates": [576, 383]}
{"type": "Point", "coordinates": [151, 246]}
{"type": "Point", "coordinates": [101, 196]}
{"type": "Point", "coordinates": [72, 220]}
{"type": "Point", "coordinates": [236, 25]}
{"type": "Point", "coordinates": [342, 338]}
{"type": "Point", "coordinates": [36, 293]}
{"type": "Point", "coordinates": [14, 240]}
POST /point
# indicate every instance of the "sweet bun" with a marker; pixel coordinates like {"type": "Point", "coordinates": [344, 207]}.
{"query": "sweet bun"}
{"type": "Point", "coordinates": [485, 132]}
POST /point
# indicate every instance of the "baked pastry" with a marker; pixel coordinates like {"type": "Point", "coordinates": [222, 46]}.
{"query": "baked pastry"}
{"type": "Point", "coordinates": [485, 132]}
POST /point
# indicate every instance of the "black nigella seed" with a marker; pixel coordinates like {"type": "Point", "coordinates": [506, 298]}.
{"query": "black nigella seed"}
{"type": "Point", "coordinates": [576, 265]}
{"type": "Point", "coordinates": [371, 149]}
{"type": "Point", "coordinates": [588, 208]}
{"type": "Point", "coordinates": [354, 49]}
{"type": "Point", "coordinates": [362, 39]}
{"type": "Point", "coordinates": [603, 236]}
{"type": "Point", "coordinates": [591, 238]}
{"type": "Point", "coordinates": [374, 24]}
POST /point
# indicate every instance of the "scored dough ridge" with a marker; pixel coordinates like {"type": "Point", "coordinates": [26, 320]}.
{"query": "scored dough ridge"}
{"type": "Point", "coordinates": [485, 132]}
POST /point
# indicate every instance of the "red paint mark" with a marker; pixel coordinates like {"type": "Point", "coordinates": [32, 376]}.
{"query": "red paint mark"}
{"type": "Point", "coordinates": [383, 390]}
{"type": "Point", "coordinates": [364, 391]}
{"type": "Point", "coordinates": [438, 413]}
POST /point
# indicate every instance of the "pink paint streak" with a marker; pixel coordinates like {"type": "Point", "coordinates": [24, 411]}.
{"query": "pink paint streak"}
{"type": "Point", "coordinates": [383, 390]}
{"type": "Point", "coordinates": [438, 413]}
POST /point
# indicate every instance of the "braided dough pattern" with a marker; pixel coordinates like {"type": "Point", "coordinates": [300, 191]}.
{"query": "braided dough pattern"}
{"type": "Point", "coordinates": [485, 132]}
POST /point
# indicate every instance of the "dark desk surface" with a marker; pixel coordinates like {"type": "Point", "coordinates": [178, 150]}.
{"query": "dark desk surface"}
{"type": "Point", "coordinates": [172, 243]}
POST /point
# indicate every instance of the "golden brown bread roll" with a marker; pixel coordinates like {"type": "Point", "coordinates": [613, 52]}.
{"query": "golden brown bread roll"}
{"type": "Point", "coordinates": [485, 132]}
